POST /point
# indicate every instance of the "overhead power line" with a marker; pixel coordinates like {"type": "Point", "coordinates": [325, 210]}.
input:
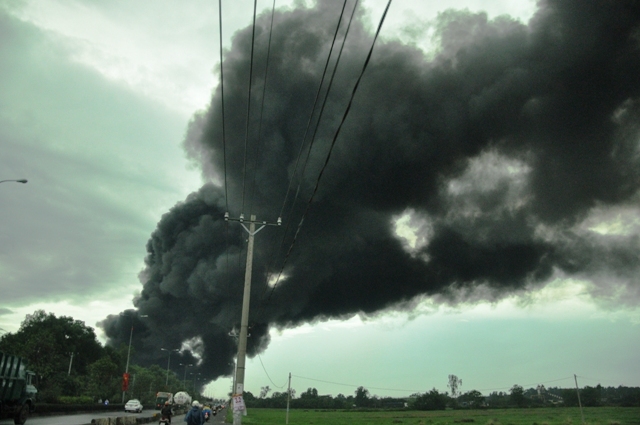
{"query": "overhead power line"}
{"type": "Point", "coordinates": [246, 137]}
{"type": "Point", "coordinates": [224, 139]}
{"type": "Point", "coordinates": [267, 373]}
{"type": "Point", "coordinates": [264, 89]}
{"type": "Point", "coordinates": [313, 109]}
{"type": "Point", "coordinates": [356, 386]}
{"type": "Point", "coordinates": [526, 385]}
{"type": "Point", "coordinates": [274, 252]}
{"type": "Point", "coordinates": [333, 142]}
{"type": "Point", "coordinates": [224, 142]}
{"type": "Point", "coordinates": [324, 103]}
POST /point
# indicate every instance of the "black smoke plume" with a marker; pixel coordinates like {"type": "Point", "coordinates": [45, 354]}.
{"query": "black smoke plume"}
{"type": "Point", "coordinates": [507, 152]}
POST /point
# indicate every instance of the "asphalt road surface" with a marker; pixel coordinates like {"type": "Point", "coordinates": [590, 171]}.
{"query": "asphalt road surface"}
{"type": "Point", "coordinates": [85, 418]}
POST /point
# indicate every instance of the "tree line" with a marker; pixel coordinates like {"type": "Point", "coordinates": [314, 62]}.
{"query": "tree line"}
{"type": "Point", "coordinates": [72, 366]}
{"type": "Point", "coordinates": [516, 397]}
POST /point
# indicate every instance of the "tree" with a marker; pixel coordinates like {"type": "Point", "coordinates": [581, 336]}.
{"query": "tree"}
{"type": "Point", "coordinates": [516, 396]}
{"type": "Point", "coordinates": [362, 397]}
{"type": "Point", "coordinates": [310, 393]}
{"type": "Point", "coordinates": [104, 378]}
{"type": "Point", "coordinates": [264, 391]}
{"type": "Point", "coordinates": [454, 385]}
{"type": "Point", "coordinates": [474, 398]}
{"type": "Point", "coordinates": [570, 397]}
{"type": "Point", "coordinates": [433, 400]}
{"type": "Point", "coordinates": [591, 396]}
{"type": "Point", "coordinates": [498, 399]}
{"type": "Point", "coordinates": [47, 341]}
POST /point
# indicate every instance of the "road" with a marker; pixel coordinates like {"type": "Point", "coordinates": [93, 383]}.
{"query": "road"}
{"type": "Point", "coordinates": [85, 418]}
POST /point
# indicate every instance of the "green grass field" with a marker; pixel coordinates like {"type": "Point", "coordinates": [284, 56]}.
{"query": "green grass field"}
{"type": "Point", "coordinates": [544, 416]}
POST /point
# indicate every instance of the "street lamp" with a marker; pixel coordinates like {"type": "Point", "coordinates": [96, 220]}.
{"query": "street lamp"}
{"type": "Point", "coordinates": [184, 378]}
{"type": "Point", "coordinates": [169, 362]}
{"type": "Point", "coordinates": [70, 362]}
{"type": "Point", "coordinates": [126, 369]}
{"type": "Point", "coordinates": [195, 380]}
{"type": "Point", "coordinates": [17, 181]}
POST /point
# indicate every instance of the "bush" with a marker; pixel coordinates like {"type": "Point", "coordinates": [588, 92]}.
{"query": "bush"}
{"type": "Point", "coordinates": [83, 399]}
{"type": "Point", "coordinates": [432, 400]}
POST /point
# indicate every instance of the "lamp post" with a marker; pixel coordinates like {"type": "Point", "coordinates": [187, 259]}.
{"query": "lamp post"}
{"type": "Point", "coordinates": [126, 369]}
{"type": "Point", "coordinates": [17, 181]}
{"type": "Point", "coordinates": [70, 362]}
{"type": "Point", "coordinates": [169, 362]}
{"type": "Point", "coordinates": [195, 380]}
{"type": "Point", "coordinates": [184, 378]}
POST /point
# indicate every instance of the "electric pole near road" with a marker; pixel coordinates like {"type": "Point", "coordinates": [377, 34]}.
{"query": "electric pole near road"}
{"type": "Point", "coordinates": [244, 323]}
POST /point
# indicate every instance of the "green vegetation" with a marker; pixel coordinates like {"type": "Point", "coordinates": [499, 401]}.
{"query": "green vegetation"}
{"type": "Point", "coordinates": [93, 372]}
{"type": "Point", "coordinates": [540, 416]}
{"type": "Point", "coordinates": [517, 397]}
{"type": "Point", "coordinates": [72, 368]}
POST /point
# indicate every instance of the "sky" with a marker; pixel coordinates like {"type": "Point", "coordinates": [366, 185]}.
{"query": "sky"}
{"type": "Point", "coordinates": [477, 214]}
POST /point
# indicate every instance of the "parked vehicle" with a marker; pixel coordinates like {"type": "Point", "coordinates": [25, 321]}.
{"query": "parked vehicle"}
{"type": "Point", "coordinates": [17, 390]}
{"type": "Point", "coordinates": [133, 405]}
{"type": "Point", "coordinates": [161, 398]}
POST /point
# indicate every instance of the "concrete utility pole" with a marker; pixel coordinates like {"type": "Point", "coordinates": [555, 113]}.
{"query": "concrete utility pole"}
{"type": "Point", "coordinates": [244, 324]}
{"type": "Point", "coordinates": [126, 369]}
{"type": "Point", "coordinates": [579, 401]}
{"type": "Point", "coordinates": [288, 398]}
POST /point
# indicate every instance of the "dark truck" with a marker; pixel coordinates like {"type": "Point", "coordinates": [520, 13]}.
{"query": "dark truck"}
{"type": "Point", "coordinates": [17, 392]}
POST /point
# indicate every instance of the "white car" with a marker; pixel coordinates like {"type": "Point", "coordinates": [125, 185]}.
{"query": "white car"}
{"type": "Point", "coordinates": [133, 405]}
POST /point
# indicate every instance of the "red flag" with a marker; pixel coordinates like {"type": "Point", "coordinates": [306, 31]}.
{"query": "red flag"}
{"type": "Point", "coordinates": [125, 381]}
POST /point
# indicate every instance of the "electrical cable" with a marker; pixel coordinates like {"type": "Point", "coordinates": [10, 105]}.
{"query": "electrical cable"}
{"type": "Point", "coordinates": [246, 138]}
{"type": "Point", "coordinates": [335, 138]}
{"type": "Point", "coordinates": [267, 373]}
{"type": "Point", "coordinates": [324, 103]}
{"type": "Point", "coordinates": [315, 102]}
{"type": "Point", "coordinates": [355, 386]}
{"type": "Point", "coordinates": [293, 202]}
{"type": "Point", "coordinates": [590, 379]}
{"type": "Point", "coordinates": [526, 385]}
{"type": "Point", "coordinates": [264, 89]}
{"type": "Point", "coordinates": [224, 139]}
{"type": "Point", "coordinates": [418, 391]}
{"type": "Point", "coordinates": [224, 145]}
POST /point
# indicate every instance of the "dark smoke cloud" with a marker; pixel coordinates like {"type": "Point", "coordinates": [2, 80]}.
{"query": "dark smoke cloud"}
{"type": "Point", "coordinates": [495, 150]}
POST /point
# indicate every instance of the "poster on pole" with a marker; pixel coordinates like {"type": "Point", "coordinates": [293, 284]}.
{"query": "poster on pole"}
{"type": "Point", "coordinates": [238, 403]}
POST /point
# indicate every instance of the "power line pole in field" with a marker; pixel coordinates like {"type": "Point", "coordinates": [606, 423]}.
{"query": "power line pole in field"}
{"type": "Point", "coordinates": [244, 324]}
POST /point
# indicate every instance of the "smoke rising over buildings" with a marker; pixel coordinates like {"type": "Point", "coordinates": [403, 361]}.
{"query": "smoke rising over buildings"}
{"type": "Point", "coordinates": [508, 157]}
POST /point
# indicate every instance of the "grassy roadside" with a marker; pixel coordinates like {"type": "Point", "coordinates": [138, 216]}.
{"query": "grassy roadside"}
{"type": "Point", "coordinates": [542, 416]}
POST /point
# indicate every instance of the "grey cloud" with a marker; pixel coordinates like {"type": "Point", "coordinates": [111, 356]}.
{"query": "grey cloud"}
{"type": "Point", "coordinates": [90, 150]}
{"type": "Point", "coordinates": [543, 96]}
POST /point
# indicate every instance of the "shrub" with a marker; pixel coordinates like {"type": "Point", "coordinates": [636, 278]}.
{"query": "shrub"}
{"type": "Point", "coordinates": [75, 399]}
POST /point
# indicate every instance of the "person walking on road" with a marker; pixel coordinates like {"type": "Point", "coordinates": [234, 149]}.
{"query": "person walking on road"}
{"type": "Point", "coordinates": [195, 416]}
